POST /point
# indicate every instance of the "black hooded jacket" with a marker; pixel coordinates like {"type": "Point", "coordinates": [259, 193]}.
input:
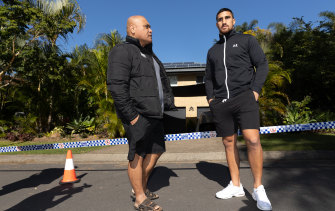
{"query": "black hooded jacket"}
{"type": "Point", "coordinates": [231, 64]}
{"type": "Point", "coordinates": [132, 81]}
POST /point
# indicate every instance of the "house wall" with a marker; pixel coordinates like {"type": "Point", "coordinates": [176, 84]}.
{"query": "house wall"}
{"type": "Point", "coordinates": [191, 104]}
{"type": "Point", "coordinates": [186, 80]}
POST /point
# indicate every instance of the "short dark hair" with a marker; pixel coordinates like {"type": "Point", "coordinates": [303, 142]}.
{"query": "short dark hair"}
{"type": "Point", "coordinates": [223, 10]}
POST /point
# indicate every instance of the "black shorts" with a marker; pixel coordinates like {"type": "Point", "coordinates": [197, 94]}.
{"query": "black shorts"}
{"type": "Point", "coordinates": [240, 111]}
{"type": "Point", "coordinates": [145, 137]}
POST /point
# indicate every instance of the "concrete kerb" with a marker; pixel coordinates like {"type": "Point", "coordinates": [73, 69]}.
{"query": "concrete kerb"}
{"type": "Point", "coordinates": [186, 151]}
{"type": "Point", "coordinates": [166, 157]}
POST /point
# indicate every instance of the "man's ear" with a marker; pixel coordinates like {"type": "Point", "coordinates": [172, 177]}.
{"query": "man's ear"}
{"type": "Point", "coordinates": [132, 29]}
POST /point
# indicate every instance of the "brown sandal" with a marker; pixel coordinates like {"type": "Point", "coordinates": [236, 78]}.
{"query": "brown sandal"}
{"type": "Point", "coordinates": [151, 195]}
{"type": "Point", "coordinates": [148, 193]}
{"type": "Point", "coordinates": [148, 205]}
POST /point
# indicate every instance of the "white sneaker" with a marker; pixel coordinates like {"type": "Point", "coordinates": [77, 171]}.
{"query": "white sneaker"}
{"type": "Point", "coordinates": [259, 195]}
{"type": "Point", "coordinates": [230, 191]}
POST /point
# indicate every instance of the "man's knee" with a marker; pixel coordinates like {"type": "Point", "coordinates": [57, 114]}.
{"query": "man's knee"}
{"type": "Point", "coordinates": [253, 142]}
{"type": "Point", "coordinates": [136, 162]}
{"type": "Point", "coordinates": [228, 141]}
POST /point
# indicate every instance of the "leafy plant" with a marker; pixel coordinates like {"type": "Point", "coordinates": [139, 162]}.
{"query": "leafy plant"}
{"type": "Point", "coordinates": [23, 129]}
{"type": "Point", "coordinates": [3, 128]}
{"type": "Point", "coordinates": [57, 131]}
{"type": "Point", "coordinates": [82, 126]}
{"type": "Point", "coordinates": [25, 124]}
{"type": "Point", "coordinates": [298, 112]}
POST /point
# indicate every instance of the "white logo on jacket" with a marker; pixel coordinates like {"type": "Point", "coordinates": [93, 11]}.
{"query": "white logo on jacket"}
{"type": "Point", "coordinates": [235, 46]}
{"type": "Point", "coordinates": [143, 55]}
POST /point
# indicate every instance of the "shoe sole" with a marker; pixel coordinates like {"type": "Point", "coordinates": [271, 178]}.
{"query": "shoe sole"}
{"type": "Point", "coordinates": [254, 197]}
{"type": "Point", "coordinates": [238, 195]}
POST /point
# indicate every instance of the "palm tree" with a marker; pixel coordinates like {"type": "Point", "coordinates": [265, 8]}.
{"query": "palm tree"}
{"type": "Point", "coordinates": [109, 40]}
{"type": "Point", "coordinates": [60, 17]}
{"type": "Point", "coordinates": [93, 65]}
{"type": "Point", "coordinates": [274, 99]}
{"type": "Point", "coordinates": [246, 27]}
{"type": "Point", "coordinates": [329, 20]}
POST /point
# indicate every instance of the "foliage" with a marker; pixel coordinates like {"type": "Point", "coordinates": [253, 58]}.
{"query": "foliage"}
{"type": "Point", "coordinates": [298, 112]}
{"type": "Point", "coordinates": [274, 99]}
{"type": "Point", "coordinates": [82, 125]}
{"type": "Point", "coordinates": [3, 128]}
{"type": "Point", "coordinates": [15, 136]}
{"type": "Point", "coordinates": [23, 129]}
{"type": "Point", "coordinates": [263, 37]}
{"type": "Point", "coordinates": [35, 74]}
{"type": "Point", "coordinates": [55, 88]}
{"type": "Point", "coordinates": [25, 124]}
{"type": "Point", "coordinates": [92, 64]}
{"type": "Point", "coordinates": [57, 131]}
{"type": "Point", "coordinates": [246, 27]}
{"type": "Point", "coordinates": [309, 49]}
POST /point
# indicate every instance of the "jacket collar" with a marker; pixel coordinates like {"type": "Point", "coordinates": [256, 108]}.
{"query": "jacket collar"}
{"type": "Point", "coordinates": [227, 35]}
{"type": "Point", "coordinates": [146, 49]}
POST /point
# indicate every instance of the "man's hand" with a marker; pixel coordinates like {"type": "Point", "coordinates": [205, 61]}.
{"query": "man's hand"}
{"type": "Point", "coordinates": [210, 100]}
{"type": "Point", "coordinates": [132, 122]}
{"type": "Point", "coordinates": [256, 95]}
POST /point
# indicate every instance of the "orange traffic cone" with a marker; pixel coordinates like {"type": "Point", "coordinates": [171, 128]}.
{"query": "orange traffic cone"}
{"type": "Point", "coordinates": [69, 173]}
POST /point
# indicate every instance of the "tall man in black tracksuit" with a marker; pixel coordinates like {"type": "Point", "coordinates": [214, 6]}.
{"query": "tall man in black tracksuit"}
{"type": "Point", "coordinates": [235, 73]}
{"type": "Point", "coordinates": [141, 91]}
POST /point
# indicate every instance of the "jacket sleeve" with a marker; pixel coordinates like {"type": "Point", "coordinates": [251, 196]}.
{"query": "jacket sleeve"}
{"type": "Point", "coordinates": [169, 99]}
{"type": "Point", "coordinates": [118, 77]}
{"type": "Point", "coordinates": [259, 61]}
{"type": "Point", "coordinates": [209, 79]}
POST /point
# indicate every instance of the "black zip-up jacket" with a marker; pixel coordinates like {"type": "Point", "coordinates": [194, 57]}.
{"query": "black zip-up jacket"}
{"type": "Point", "coordinates": [231, 65]}
{"type": "Point", "coordinates": [132, 81]}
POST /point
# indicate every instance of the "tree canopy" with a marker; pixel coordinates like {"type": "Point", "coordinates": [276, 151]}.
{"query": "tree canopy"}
{"type": "Point", "coordinates": [43, 89]}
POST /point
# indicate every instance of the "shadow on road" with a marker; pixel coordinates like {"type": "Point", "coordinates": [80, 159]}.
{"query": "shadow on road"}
{"type": "Point", "coordinates": [46, 176]}
{"type": "Point", "coordinates": [303, 185]}
{"type": "Point", "coordinates": [45, 200]}
{"type": "Point", "coordinates": [160, 177]}
{"type": "Point", "coordinates": [220, 174]}
{"type": "Point", "coordinates": [215, 172]}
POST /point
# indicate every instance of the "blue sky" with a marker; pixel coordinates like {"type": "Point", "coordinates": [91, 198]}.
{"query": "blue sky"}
{"type": "Point", "coordinates": [183, 31]}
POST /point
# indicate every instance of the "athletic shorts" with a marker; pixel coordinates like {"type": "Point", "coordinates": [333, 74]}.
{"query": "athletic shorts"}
{"type": "Point", "coordinates": [240, 111]}
{"type": "Point", "coordinates": [146, 136]}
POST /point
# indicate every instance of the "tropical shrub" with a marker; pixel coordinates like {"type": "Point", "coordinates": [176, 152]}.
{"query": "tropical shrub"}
{"type": "Point", "coordinates": [82, 125]}
{"type": "Point", "coordinates": [298, 112]}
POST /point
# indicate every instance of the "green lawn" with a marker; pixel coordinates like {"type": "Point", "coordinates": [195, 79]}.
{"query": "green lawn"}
{"type": "Point", "coordinates": [297, 141]}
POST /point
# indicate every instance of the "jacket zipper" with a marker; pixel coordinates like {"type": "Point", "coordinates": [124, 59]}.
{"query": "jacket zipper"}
{"type": "Point", "coordinates": [225, 67]}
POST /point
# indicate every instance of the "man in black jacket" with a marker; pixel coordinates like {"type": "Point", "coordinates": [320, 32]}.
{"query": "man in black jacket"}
{"type": "Point", "coordinates": [141, 91]}
{"type": "Point", "coordinates": [235, 73]}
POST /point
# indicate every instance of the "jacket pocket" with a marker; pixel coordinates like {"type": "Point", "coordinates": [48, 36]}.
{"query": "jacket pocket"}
{"type": "Point", "coordinates": [139, 129]}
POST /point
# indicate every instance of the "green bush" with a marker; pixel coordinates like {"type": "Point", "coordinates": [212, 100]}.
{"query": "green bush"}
{"type": "Point", "coordinates": [298, 112]}
{"type": "Point", "coordinates": [3, 128]}
{"type": "Point", "coordinates": [82, 126]}
{"type": "Point", "coordinates": [24, 128]}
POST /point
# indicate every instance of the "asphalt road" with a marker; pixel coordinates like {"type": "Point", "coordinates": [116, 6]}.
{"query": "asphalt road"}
{"type": "Point", "coordinates": [290, 185]}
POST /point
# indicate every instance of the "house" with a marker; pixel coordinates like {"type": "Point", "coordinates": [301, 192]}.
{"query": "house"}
{"type": "Point", "coordinates": [187, 82]}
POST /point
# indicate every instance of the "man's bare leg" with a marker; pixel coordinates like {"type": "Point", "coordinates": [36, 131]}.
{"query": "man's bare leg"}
{"type": "Point", "coordinates": [149, 163]}
{"type": "Point", "coordinates": [255, 154]}
{"type": "Point", "coordinates": [135, 169]}
{"type": "Point", "coordinates": [233, 158]}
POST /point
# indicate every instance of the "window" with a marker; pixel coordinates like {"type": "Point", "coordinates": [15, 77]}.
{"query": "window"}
{"type": "Point", "coordinates": [173, 80]}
